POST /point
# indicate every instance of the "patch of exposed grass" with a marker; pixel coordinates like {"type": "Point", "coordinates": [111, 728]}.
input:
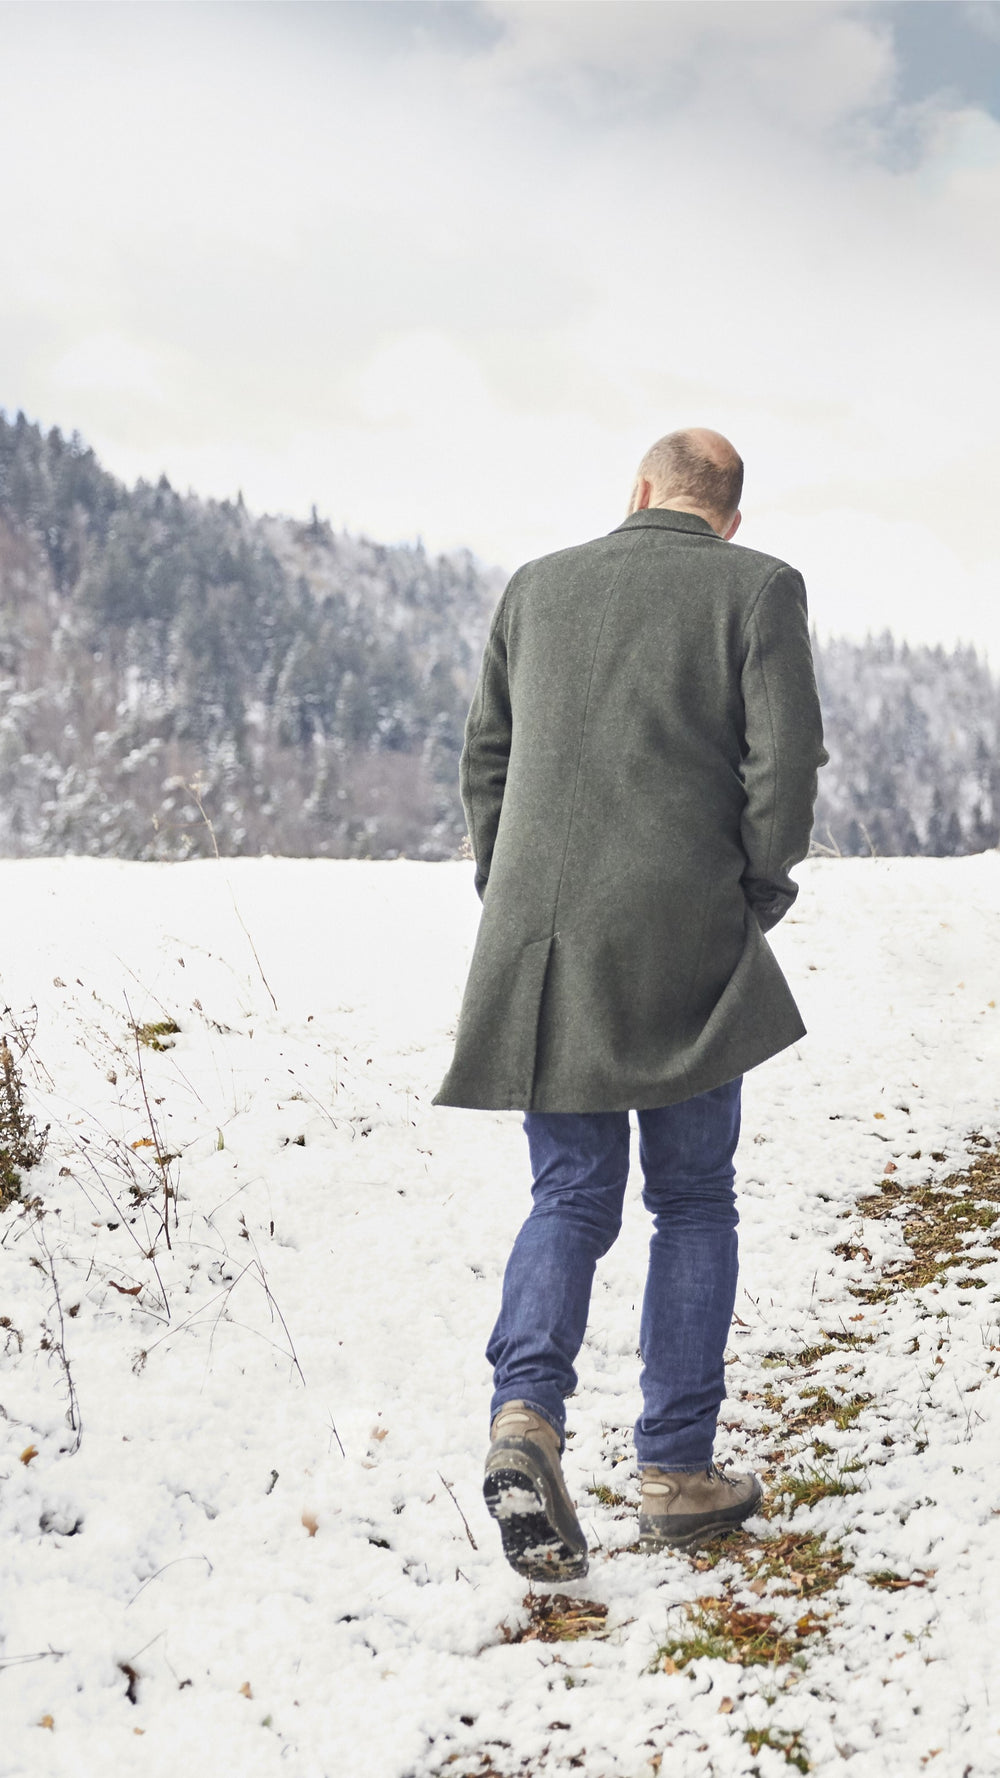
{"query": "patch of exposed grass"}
{"type": "Point", "coordinates": [721, 1630]}
{"type": "Point", "coordinates": [817, 1407]}
{"type": "Point", "coordinates": [555, 1617]}
{"type": "Point", "coordinates": [155, 1033]}
{"type": "Point", "coordinates": [481, 1766]}
{"type": "Point", "coordinates": [809, 1486]}
{"type": "Point", "coordinates": [823, 1407]}
{"type": "Point", "coordinates": [800, 1561]}
{"type": "Point", "coordinates": [886, 1580]}
{"type": "Point", "coordinates": [607, 1496]}
{"type": "Point", "coordinates": [789, 1743]}
{"type": "Point", "coordinates": [937, 1221]}
{"type": "Point", "coordinates": [806, 1356]}
{"type": "Point", "coordinates": [809, 1355]}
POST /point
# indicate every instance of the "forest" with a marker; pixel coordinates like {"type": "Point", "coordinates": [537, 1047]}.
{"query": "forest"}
{"type": "Point", "coordinates": [178, 675]}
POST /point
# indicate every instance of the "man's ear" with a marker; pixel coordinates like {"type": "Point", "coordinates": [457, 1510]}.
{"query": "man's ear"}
{"type": "Point", "coordinates": [734, 527]}
{"type": "Point", "coordinates": [641, 495]}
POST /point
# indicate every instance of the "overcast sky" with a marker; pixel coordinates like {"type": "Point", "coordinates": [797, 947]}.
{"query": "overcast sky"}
{"type": "Point", "coordinates": [446, 269]}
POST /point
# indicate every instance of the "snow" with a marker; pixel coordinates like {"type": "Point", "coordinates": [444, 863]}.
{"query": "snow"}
{"type": "Point", "coordinates": [268, 1528]}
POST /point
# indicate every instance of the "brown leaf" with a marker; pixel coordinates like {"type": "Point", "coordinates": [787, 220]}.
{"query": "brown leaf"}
{"type": "Point", "coordinates": [46, 1721]}
{"type": "Point", "coordinates": [890, 1167]}
{"type": "Point", "coordinates": [380, 1432]}
{"type": "Point", "coordinates": [125, 1289]}
{"type": "Point", "coordinates": [668, 1665]}
{"type": "Point", "coordinates": [245, 1691]}
{"type": "Point", "coordinates": [759, 1587]}
{"type": "Point", "coordinates": [310, 1522]}
{"type": "Point", "coordinates": [27, 1454]}
{"type": "Point", "coordinates": [725, 1707]}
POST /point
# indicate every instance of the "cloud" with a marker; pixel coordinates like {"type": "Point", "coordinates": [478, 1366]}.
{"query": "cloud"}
{"type": "Point", "coordinates": [449, 270]}
{"type": "Point", "coordinates": [810, 65]}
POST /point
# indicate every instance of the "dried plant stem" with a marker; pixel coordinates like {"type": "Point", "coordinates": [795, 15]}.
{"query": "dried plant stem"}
{"type": "Point", "coordinates": [147, 1253]}
{"type": "Point", "coordinates": [73, 1411]}
{"type": "Point", "coordinates": [195, 792]}
{"type": "Point", "coordinates": [272, 1301]}
{"type": "Point", "coordinates": [465, 1522]}
{"type": "Point", "coordinates": [162, 1159]}
{"type": "Point", "coordinates": [43, 1654]}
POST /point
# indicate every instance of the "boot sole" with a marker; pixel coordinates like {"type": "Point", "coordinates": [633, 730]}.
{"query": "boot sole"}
{"type": "Point", "coordinates": [532, 1542]}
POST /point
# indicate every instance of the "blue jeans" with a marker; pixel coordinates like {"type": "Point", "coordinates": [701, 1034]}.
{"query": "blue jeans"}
{"type": "Point", "coordinates": [580, 1167]}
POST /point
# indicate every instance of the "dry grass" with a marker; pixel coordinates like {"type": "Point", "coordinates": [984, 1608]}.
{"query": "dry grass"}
{"type": "Point", "coordinates": [798, 1561]}
{"type": "Point", "coordinates": [886, 1580]}
{"type": "Point", "coordinates": [608, 1496]}
{"type": "Point", "coordinates": [817, 1407]}
{"type": "Point", "coordinates": [722, 1630]}
{"type": "Point", "coordinates": [805, 1487]}
{"type": "Point", "coordinates": [834, 1340]}
{"type": "Point", "coordinates": [789, 1744]}
{"type": "Point", "coordinates": [155, 1034]}
{"type": "Point", "coordinates": [481, 1766]}
{"type": "Point", "coordinates": [555, 1617]}
{"type": "Point", "coordinates": [937, 1221]}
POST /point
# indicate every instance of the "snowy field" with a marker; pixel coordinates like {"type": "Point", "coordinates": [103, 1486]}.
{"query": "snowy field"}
{"type": "Point", "coordinates": [241, 1528]}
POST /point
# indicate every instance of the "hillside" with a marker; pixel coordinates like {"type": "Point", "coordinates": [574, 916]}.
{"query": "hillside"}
{"type": "Point", "coordinates": [313, 687]}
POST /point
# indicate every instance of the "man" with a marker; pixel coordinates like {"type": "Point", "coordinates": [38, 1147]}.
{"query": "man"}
{"type": "Point", "coordinates": [638, 774]}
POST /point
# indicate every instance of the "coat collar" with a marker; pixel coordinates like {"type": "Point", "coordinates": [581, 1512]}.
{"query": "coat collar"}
{"type": "Point", "coordinates": [664, 518]}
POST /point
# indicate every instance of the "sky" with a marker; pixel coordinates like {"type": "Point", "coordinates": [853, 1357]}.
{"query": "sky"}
{"type": "Point", "coordinates": [445, 270]}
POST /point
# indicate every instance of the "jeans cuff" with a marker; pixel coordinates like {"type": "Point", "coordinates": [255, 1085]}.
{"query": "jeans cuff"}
{"type": "Point", "coordinates": [674, 1468]}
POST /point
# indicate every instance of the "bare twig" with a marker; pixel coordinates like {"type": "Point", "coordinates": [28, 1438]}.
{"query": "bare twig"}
{"type": "Point", "coordinates": [43, 1654]}
{"type": "Point", "coordinates": [195, 792]}
{"type": "Point", "coordinates": [147, 1253]}
{"type": "Point", "coordinates": [162, 1158]}
{"type": "Point", "coordinates": [24, 1027]}
{"type": "Point", "coordinates": [73, 1412]}
{"type": "Point", "coordinates": [195, 1313]}
{"type": "Point", "coordinates": [458, 1509]}
{"type": "Point", "coordinates": [150, 1579]}
{"type": "Point", "coordinates": [272, 1301]}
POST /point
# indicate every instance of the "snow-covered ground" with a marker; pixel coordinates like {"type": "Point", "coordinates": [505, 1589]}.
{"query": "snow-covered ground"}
{"type": "Point", "coordinates": [262, 1549]}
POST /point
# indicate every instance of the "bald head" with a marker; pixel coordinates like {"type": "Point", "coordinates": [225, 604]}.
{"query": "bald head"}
{"type": "Point", "coordinates": [694, 470]}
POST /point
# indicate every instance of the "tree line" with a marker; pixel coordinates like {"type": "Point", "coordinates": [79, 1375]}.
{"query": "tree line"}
{"type": "Point", "coordinates": [176, 674]}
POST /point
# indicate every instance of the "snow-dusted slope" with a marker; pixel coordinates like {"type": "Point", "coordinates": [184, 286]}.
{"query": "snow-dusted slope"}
{"type": "Point", "coordinates": [262, 1549]}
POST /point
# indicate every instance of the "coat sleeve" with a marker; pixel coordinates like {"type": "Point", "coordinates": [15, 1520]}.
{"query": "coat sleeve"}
{"type": "Point", "coordinates": [485, 755]}
{"type": "Point", "coordinates": [784, 744]}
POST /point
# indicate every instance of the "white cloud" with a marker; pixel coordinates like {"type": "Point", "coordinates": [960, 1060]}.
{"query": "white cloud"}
{"type": "Point", "coordinates": [456, 289]}
{"type": "Point", "coordinates": [809, 64]}
{"type": "Point", "coordinates": [106, 363]}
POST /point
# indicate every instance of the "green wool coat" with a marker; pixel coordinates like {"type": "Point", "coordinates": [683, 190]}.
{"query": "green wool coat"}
{"type": "Point", "coordinates": [638, 774]}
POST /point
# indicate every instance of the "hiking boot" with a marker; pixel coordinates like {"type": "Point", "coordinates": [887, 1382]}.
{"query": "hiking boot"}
{"type": "Point", "coordinates": [525, 1492]}
{"type": "Point", "coordinates": [680, 1510]}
